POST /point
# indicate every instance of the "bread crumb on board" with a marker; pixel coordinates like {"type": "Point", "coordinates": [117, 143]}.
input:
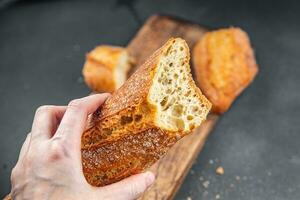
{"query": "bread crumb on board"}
{"type": "Point", "coordinates": [218, 196]}
{"type": "Point", "coordinates": [220, 170]}
{"type": "Point", "coordinates": [189, 198]}
{"type": "Point", "coordinates": [205, 184]}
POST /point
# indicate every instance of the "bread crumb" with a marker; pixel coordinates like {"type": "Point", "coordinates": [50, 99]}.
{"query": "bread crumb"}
{"type": "Point", "coordinates": [205, 184]}
{"type": "Point", "coordinates": [237, 178]}
{"type": "Point", "coordinates": [201, 178]}
{"type": "Point", "coordinates": [218, 196]}
{"type": "Point", "coordinates": [189, 198]}
{"type": "Point", "coordinates": [220, 170]}
{"type": "Point", "coordinates": [211, 161]}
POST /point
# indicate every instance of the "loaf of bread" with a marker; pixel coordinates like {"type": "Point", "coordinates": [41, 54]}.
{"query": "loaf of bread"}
{"type": "Point", "coordinates": [157, 105]}
{"type": "Point", "coordinates": [224, 66]}
{"type": "Point", "coordinates": [106, 68]}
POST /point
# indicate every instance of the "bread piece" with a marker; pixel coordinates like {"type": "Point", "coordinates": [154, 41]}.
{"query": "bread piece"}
{"type": "Point", "coordinates": [106, 68]}
{"type": "Point", "coordinates": [224, 65]}
{"type": "Point", "coordinates": [157, 105]}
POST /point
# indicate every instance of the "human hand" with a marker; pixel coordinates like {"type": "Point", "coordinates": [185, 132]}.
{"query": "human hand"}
{"type": "Point", "coordinates": [49, 164]}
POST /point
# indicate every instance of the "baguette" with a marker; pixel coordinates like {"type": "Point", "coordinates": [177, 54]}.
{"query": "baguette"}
{"type": "Point", "coordinates": [224, 65]}
{"type": "Point", "coordinates": [157, 105]}
{"type": "Point", "coordinates": [106, 68]}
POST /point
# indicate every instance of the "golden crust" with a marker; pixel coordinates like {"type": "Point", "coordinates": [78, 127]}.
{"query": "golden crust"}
{"type": "Point", "coordinates": [122, 138]}
{"type": "Point", "coordinates": [224, 65]}
{"type": "Point", "coordinates": [113, 161]}
{"type": "Point", "coordinates": [100, 66]}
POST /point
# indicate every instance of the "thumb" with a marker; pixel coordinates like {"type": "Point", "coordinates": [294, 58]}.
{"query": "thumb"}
{"type": "Point", "coordinates": [129, 188]}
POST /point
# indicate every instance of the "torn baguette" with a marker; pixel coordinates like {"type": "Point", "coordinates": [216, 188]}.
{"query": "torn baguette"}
{"type": "Point", "coordinates": [224, 65]}
{"type": "Point", "coordinates": [157, 105]}
{"type": "Point", "coordinates": [106, 68]}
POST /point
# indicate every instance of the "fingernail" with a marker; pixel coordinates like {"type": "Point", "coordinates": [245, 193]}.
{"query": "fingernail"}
{"type": "Point", "coordinates": [149, 178]}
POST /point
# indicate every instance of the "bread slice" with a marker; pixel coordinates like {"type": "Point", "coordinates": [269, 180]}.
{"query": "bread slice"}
{"type": "Point", "coordinates": [106, 68]}
{"type": "Point", "coordinates": [157, 105]}
{"type": "Point", "coordinates": [224, 64]}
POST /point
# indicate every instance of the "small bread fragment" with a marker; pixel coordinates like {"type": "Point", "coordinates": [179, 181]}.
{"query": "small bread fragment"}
{"type": "Point", "coordinates": [224, 65]}
{"type": "Point", "coordinates": [157, 105]}
{"type": "Point", "coordinates": [220, 170]}
{"type": "Point", "coordinates": [106, 68]}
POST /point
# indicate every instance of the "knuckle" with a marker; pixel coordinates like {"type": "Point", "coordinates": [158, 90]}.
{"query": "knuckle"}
{"type": "Point", "coordinates": [76, 103]}
{"type": "Point", "coordinates": [44, 108]}
{"type": "Point", "coordinates": [56, 151]}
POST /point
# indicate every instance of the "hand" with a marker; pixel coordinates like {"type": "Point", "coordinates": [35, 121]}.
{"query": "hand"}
{"type": "Point", "coordinates": [49, 164]}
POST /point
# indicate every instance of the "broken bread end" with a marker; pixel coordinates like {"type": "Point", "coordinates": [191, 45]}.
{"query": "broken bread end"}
{"type": "Point", "coordinates": [156, 106]}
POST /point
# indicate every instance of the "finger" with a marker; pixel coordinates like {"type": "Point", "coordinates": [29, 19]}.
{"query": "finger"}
{"type": "Point", "coordinates": [74, 121]}
{"type": "Point", "coordinates": [57, 119]}
{"type": "Point", "coordinates": [46, 120]}
{"type": "Point", "coordinates": [130, 188]}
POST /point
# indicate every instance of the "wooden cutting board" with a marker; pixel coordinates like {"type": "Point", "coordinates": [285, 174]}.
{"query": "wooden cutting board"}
{"type": "Point", "coordinates": [171, 170]}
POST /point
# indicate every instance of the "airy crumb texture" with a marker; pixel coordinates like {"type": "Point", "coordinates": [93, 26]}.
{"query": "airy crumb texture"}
{"type": "Point", "coordinates": [225, 65]}
{"type": "Point", "coordinates": [156, 106]}
{"type": "Point", "coordinates": [106, 68]}
{"type": "Point", "coordinates": [178, 105]}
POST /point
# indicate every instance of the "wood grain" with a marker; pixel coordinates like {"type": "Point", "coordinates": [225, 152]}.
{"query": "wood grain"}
{"type": "Point", "coordinates": [171, 170]}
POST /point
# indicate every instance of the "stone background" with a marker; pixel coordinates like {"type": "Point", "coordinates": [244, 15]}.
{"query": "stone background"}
{"type": "Point", "coordinates": [42, 48]}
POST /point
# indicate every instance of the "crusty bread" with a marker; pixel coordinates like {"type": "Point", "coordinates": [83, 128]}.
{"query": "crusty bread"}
{"type": "Point", "coordinates": [157, 105]}
{"type": "Point", "coordinates": [224, 65]}
{"type": "Point", "coordinates": [106, 68]}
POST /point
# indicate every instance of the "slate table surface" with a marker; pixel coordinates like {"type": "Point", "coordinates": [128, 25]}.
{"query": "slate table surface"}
{"type": "Point", "coordinates": [257, 142]}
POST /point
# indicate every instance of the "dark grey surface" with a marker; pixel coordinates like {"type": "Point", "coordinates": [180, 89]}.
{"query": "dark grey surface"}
{"type": "Point", "coordinates": [42, 47]}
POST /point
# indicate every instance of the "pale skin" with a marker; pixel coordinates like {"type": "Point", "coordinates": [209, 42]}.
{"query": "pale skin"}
{"type": "Point", "coordinates": [49, 165]}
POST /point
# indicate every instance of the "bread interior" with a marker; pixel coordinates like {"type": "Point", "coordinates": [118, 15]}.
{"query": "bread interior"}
{"type": "Point", "coordinates": [174, 103]}
{"type": "Point", "coordinates": [173, 91]}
